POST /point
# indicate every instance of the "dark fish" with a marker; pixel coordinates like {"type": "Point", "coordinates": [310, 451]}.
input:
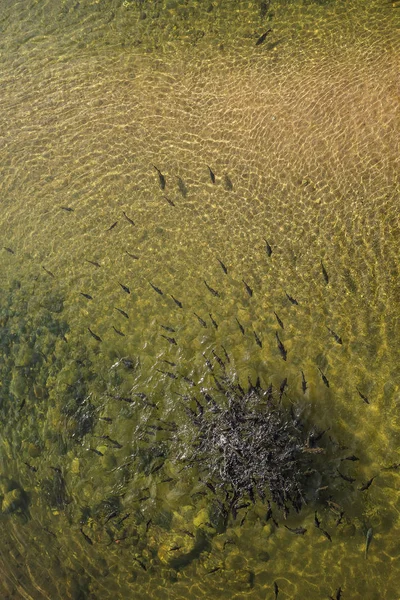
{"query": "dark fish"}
{"type": "Point", "coordinates": [169, 201]}
{"type": "Point", "coordinates": [47, 271]}
{"type": "Point", "coordinates": [111, 516]}
{"type": "Point", "coordinates": [281, 347]}
{"type": "Point", "coordinates": [338, 595]}
{"type": "Point", "coordinates": [368, 539]}
{"type": "Point", "coordinates": [140, 563]}
{"type": "Point", "coordinates": [201, 321]}
{"type": "Point", "coordinates": [324, 378]}
{"type": "Point", "coordinates": [67, 208]}
{"type": "Point", "coordinates": [181, 186]}
{"type": "Point", "coordinates": [228, 185]}
{"type": "Point", "coordinates": [161, 178]}
{"type": "Point", "coordinates": [132, 255]}
{"type": "Point", "coordinates": [248, 288]}
{"type": "Point", "coordinates": [324, 273]}
{"type": "Point", "coordinates": [92, 262]}
{"type": "Point", "coordinates": [96, 451]}
{"type": "Point", "coordinates": [297, 530]}
{"type": "Point", "coordinates": [177, 302]}
{"type": "Point", "coordinates": [291, 299]}
{"type": "Point", "coordinates": [258, 341]}
{"type": "Point", "coordinates": [125, 288]}
{"type": "Point", "coordinates": [168, 362]}
{"type": "Point", "coordinates": [106, 419]}
{"type": "Point", "coordinates": [168, 374]}
{"type": "Point", "coordinates": [169, 339]}
{"type": "Point", "coordinates": [113, 442]}
{"type": "Point", "coordinates": [262, 37]}
{"type": "Point", "coordinates": [208, 363]}
{"type": "Point", "coordinates": [346, 477]}
{"type": "Point", "coordinates": [87, 538]}
{"type": "Point", "coordinates": [282, 388]}
{"type": "Point", "coordinates": [86, 296]}
{"type": "Point", "coordinates": [148, 525]}
{"type": "Point", "coordinates": [214, 570]}
{"type": "Point", "coordinates": [212, 176]}
{"type": "Point", "coordinates": [123, 313]}
{"type": "Point", "coordinates": [219, 360]}
{"type": "Point", "coordinates": [223, 267]}
{"type": "Point", "coordinates": [317, 522]}
{"type": "Point", "coordinates": [30, 467]}
{"type": "Point", "coordinates": [240, 325]}
{"type": "Point", "coordinates": [326, 534]}
{"type": "Point", "coordinates": [226, 354]}
{"type": "Point", "coordinates": [156, 289]}
{"type": "Point", "coordinates": [268, 248]}
{"type": "Point", "coordinates": [367, 484]}
{"type": "Point", "coordinates": [335, 336]}
{"type": "Point", "coordinates": [118, 331]}
{"type": "Point", "coordinates": [352, 457]}
{"type": "Point", "coordinates": [123, 518]}
{"type": "Point", "coordinates": [170, 329]}
{"type": "Point", "coordinates": [96, 337]}
{"type": "Point", "coordinates": [279, 321]}
{"type": "Point", "coordinates": [303, 383]}
{"type": "Point", "coordinates": [9, 250]}
{"type": "Point", "coordinates": [276, 589]}
{"type": "Point", "coordinates": [210, 289]}
{"type": "Point", "coordinates": [339, 520]}
{"type": "Point", "coordinates": [363, 397]}
{"type": "Point", "coordinates": [127, 218]}
{"type": "Point", "coordinates": [212, 321]}
{"type": "Point", "coordinates": [112, 226]}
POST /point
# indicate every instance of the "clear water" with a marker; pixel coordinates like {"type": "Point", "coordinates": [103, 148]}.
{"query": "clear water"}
{"type": "Point", "coordinates": [301, 132]}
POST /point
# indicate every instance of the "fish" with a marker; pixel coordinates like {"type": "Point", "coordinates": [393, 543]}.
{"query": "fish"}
{"type": "Point", "coordinates": [10, 250]}
{"type": "Point", "coordinates": [276, 590]}
{"type": "Point", "coordinates": [364, 398]}
{"type": "Point", "coordinates": [367, 484]}
{"type": "Point", "coordinates": [226, 354]}
{"type": "Point", "coordinates": [96, 451]}
{"type": "Point", "coordinates": [303, 382]}
{"type": "Point", "coordinates": [30, 467]}
{"type": "Point", "coordinates": [127, 218]}
{"type": "Point", "coordinates": [171, 340]}
{"type": "Point", "coordinates": [212, 321]}
{"type": "Point", "coordinates": [170, 329]}
{"type": "Point", "coordinates": [281, 347]}
{"type": "Point", "coordinates": [336, 337]}
{"type": "Point", "coordinates": [291, 299]}
{"type": "Point", "coordinates": [248, 288]}
{"type": "Point", "coordinates": [118, 331]}
{"type": "Point", "coordinates": [181, 186]}
{"type": "Point", "coordinates": [223, 267]}
{"type": "Point", "coordinates": [210, 289]}
{"type": "Point", "coordinates": [280, 322]}
{"type": "Point", "coordinates": [123, 313]}
{"type": "Point", "coordinates": [282, 388]}
{"type": "Point", "coordinates": [140, 563]}
{"type": "Point", "coordinates": [346, 477]}
{"type": "Point", "coordinates": [86, 296]}
{"type": "Point", "coordinates": [168, 374]}
{"type": "Point", "coordinates": [214, 570]}
{"type": "Point", "coordinates": [177, 302]}
{"type": "Point", "coordinates": [123, 518]}
{"type": "Point", "coordinates": [94, 335]}
{"type": "Point", "coordinates": [168, 362]}
{"type": "Point", "coordinates": [219, 360]}
{"type": "Point", "coordinates": [324, 378]}
{"type": "Point", "coordinates": [212, 176]}
{"type": "Point", "coordinates": [258, 341]}
{"type": "Point", "coordinates": [201, 321]}
{"type": "Point", "coordinates": [228, 185]}
{"type": "Point", "coordinates": [161, 178]}
{"type": "Point", "coordinates": [125, 288]}
{"type": "Point", "coordinates": [106, 419]}
{"type": "Point", "coordinates": [113, 442]}
{"type": "Point", "coordinates": [156, 289]}
{"type": "Point", "coordinates": [240, 325]}
{"type": "Point", "coordinates": [208, 363]}
{"type": "Point", "coordinates": [317, 522]}
{"type": "Point", "coordinates": [297, 530]}
{"type": "Point", "coordinates": [268, 248]}
{"type": "Point", "coordinates": [324, 273]}
{"type": "Point", "coordinates": [112, 226]}
{"type": "Point", "coordinates": [48, 272]}
{"type": "Point", "coordinates": [87, 538]}
{"type": "Point", "coordinates": [111, 516]}
{"type": "Point", "coordinates": [326, 534]}
{"type": "Point", "coordinates": [262, 37]}
{"type": "Point", "coordinates": [67, 208]}
{"type": "Point", "coordinates": [93, 262]}
{"type": "Point", "coordinates": [340, 518]}
{"type": "Point", "coordinates": [132, 255]}
{"type": "Point", "coordinates": [169, 201]}
{"type": "Point", "coordinates": [368, 539]}
{"type": "Point", "coordinates": [352, 457]}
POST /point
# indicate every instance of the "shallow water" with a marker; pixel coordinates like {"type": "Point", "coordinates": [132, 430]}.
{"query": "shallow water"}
{"type": "Point", "coordinates": [302, 135]}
